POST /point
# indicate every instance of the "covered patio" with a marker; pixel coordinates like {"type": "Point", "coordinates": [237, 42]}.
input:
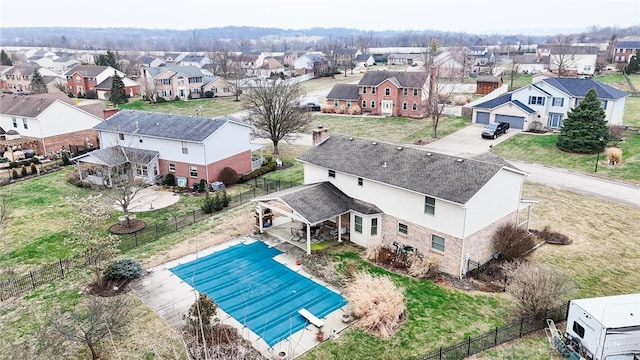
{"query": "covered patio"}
{"type": "Point", "coordinates": [103, 166]}
{"type": "Point", "coordinates": [309, 214]}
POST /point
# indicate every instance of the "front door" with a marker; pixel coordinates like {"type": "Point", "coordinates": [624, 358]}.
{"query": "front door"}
{"type": "Point", "coordinates": [387, 107]}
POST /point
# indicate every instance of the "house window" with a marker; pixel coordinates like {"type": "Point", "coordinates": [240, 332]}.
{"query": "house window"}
{"type": "Point", "coordinates": [415, 92]}
{"type": "Point", "coordinates": [185, 150]}
{"type": "Point", "coordinates": [15, 122]}
{"type": "Point", "coordinates": [121, 136]}
{"type": "Point", "coordinates": [405, 92]}
{"type": "Point", "coordinates": [335, 103]}
{"type": "Point", "coordinates": [577, 102]}
{"type": "Point", "coordinates": [172, 167]}
{"type": "Point", "coordinates": [587, 68]}
{"type": "Point", "coordinates": [332, 173]}
{"type": "Point", "coordinates": [387, 91]}
{"type": "Point", "coordinates": [557, 101]}
{"type": "Point", "coordinates": [165, 81]}
{"type": "Point", "coordinates": [24, 121]}
{"type": "Point", "coordinates": [193, 171]}
{"type": "Point", "coordinates": [414, 107]}
{"type": "Point", "coordinates": [403, 228]}
{"type": "Point", "coordinates": [364, 89]}
{"type": "Point", "coordinates": [373, 90]}
{"type": "Point", "coordinates": [225, 89]}
{"type": "Point", "coordinates": [358, 223]}
{"type": "Point", "coordinates": [374, 226]}
{"type": "Point", "coordinates": [373, 104]}
{"type": "Point", "coordinates": [359, 181]}
{"type": "Point", "coordinates": [603, 105]}
{"type": "Point", "coordinates": [578, 329]}
{"type": "Point", "coordinates": [536, 100]}
{"type": "Point", "coordinates": [404, 105]}
{"type": "Point", "coordinates": [364, 103]}
{"type": "Point", "coordinates": [142, 170]}
{"type": "Point", "coordinates": [78, 80]}
{"type": "Point", "coordinates": [437, 243]}
{"type": "Point", "coordinates": [429, 205]}
{"type": "Point", "coordinates": [554, 121]}
{"type": "Point", "coordinates": [348, 103]}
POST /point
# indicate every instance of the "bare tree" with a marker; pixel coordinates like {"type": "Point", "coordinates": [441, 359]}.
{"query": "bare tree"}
{"type": "Point", "coordinates": [514, 67]}
{"type": "Point", "coordinates": [432, 50]}
{"type": "Point", "coordinates": [364, 41]}
{"type": "Point", "coordinates": [439, 94]}
{"type": "Point", "coordinates": [616, 133]}
{"type": "Point", "coordinates": [537, 287]}
{"type": "Point", "coordinates": [87, 233]}
{"type": "Point", "coordinates": [92, 321]}
{"type": "Point", "coordinates": [561, 56]}
{"type": "Point", "coordinates": [194, 41]}
{"type": "Point", "coordinates": [6, 201]}
{"type": "Point", "coordinates": [274, 110]}
{"type": "Point", "coordinates": [148, 85]}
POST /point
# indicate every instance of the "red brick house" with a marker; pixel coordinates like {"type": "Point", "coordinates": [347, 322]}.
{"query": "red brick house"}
{"type": "Point", "coordinates": [83, 78]}
{"type": "Point", "coordinates": [386, 93]}
{"type": "Point", "coordinates": [486, 84]}
{"type": "Point", "coordinates": [624, 49]}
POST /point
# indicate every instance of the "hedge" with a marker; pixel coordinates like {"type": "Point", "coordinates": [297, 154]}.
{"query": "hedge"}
{"type": "Point", "coordinates": [265, 168]}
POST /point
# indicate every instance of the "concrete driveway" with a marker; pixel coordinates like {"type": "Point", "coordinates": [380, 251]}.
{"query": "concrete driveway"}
{"type": "Point", "coordinates": [467, 142]}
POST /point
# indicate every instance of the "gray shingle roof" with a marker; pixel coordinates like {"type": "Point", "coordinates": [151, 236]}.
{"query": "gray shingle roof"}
{"type": "Point", "coordinates": [190, 71]}
{"type": "Point", "coordinates": [437, 175]}
{"type": "Point", "coordinates": [29, 105]}
{"type": "Point", "coordinates": [119, 155]}
{"type": "Point", "coordinates": [169, 126]}
{"type": "Point", "coordinates": [344, 92]}
{"type": "Point", "coordinates": [491, 79]}
{"type": "Point", "coordinates": [87, 70]}
{"type": "Point", "coordinates": [503, 99]}
{"type": "Point", "coordinates": [410, 79]}
{"type": "Point", "coordinates": [319, 202]}
{"type": "Point", "coordinates": [628, 44]}
{"type": "Point", "coordinates": [579, 88]}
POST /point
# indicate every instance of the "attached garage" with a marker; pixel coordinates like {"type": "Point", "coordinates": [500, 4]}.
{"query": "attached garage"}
{"type": "Point", "coordinates": [515, 122]}
{"type": "Point", "coordinates": [482, 117]}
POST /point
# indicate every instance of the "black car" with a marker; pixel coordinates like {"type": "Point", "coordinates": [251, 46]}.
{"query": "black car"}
{"type": "Point", "coordinates": [493, 130]}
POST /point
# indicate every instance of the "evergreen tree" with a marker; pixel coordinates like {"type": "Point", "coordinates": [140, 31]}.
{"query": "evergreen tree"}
{"type": "Point", "coordinates": [118, 93]}
{"type": "Point", "coordinates": [632, 66]}
{"type": "Point", "coordinates": [108, 60]}
{"type": "Point", "coordinates": [37, 83]}
{"type": "Point", "coordinates": [5, 59]}
{"type": "Point", "coordinates": [584, 130]}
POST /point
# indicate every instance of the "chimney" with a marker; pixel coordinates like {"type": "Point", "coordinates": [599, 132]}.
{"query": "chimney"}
{"type": "Point", "coordinates": [319, 135]}
{"type": "Point", "coordinates": [107, 113]}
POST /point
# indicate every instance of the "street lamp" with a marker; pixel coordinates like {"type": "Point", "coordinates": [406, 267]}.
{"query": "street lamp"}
{"type": "Point", "coordinates": [598, 156]}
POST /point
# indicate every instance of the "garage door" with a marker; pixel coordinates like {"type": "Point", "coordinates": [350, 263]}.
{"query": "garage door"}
{"type": "Point", "coordinates": [516, 122]}
{"type": "Point", "coordinates": [482, 117]}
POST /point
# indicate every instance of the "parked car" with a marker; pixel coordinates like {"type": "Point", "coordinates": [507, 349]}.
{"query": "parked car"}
{"type": "Point", "coordinates": [493, 130]}
{"type": "Point", "coordinates": [310, 107]}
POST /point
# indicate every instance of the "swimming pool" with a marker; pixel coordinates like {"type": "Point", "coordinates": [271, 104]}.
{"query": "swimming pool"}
{"type": "Point", "coordinates": [259, 292]}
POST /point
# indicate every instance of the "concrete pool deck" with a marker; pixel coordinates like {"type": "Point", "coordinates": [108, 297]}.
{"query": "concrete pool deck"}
{"type": "Point", "coordinates": [171, 297]}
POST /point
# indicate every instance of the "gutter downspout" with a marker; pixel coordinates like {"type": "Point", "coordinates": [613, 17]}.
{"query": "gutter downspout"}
{"type": "Point", "coordinates": [462, 255]}
{"type": "Point", "coordinates": [206, 165]}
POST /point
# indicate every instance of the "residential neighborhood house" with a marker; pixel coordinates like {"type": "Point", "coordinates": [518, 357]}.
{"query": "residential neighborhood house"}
{"type": "Point", "coordinates": [442, 206]}
{"type": "Point", "coordinates": [84, 78]}
{"type": "Point", "coordinates": [171, 81]}
{"type": "Point", "coordinates": [45, 123]}
{"type": "Point", "coordinates": [625, 48]}
{"type": "Point", "coordinates": [312, 63]}
{"type": "Point", "coordinates": [574, 60]}
{"type": "Point", "coordinates": [386, 93]}
{"type": "Point", "coordinates": [189, 147]}
{"type": "Point", "coordinates": [546, 103]}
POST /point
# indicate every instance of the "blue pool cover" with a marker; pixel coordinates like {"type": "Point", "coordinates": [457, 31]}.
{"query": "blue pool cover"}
{"type": "Point", "coordinates": [258, 291]}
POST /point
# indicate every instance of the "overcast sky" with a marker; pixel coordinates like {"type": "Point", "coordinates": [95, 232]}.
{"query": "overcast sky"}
{"type": "Point", "coordinates": [543, 17]}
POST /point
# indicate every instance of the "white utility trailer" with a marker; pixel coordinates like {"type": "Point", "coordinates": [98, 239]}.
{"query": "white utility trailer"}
{"type": "Point", "coordinates": [605, 328]}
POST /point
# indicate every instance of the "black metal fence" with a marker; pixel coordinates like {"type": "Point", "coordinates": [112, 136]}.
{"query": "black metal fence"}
{"type": "Point", "coordinates": [48, 273]}
{"type": "Point", "coordinates": [490, 273]}
{"type": "Point", "coordinates": [500, 335]}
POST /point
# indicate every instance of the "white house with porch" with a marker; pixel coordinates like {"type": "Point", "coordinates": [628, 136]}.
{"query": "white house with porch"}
{"type": "Point", "coordinates": [443, 206]}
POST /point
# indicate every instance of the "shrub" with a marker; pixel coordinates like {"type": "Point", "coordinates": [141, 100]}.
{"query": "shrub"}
{"type": "Point", "coordinates": [553, 237]}
{"type": "Point", "coordinates": [327, 109]}
{"type": "Point", "coordinates": [202, 315]}
{"type": "Point", "coordinates": [91, 94]}
{"type": "Point", "coordinates": [421, 266]}
{"type": "Point", "coordinates": [23, 170]}
{"type": "Point", "coordinates": [202, 185]}
{"type": "Point", "coordinates": [65, 159]}
{"type": "Point", "coordinates": [616, 133]}
{"type": "Point", "coordinates": [377, 303]}
{"type": "Point", "coordinates": [34, 169]}
{"type": "Point", "coordinates": [161, 99]}
{"type": "Point", "coordinates": [13, 165]}
{"type": "Point", "coordinates": [342, 109]}
{"type": "Point", "coordinates": [80, 95]}
{"type": "Point", "coordinates": [190, 97]}
{"type": "Point", "coordinates": [228, 176]}
{"type": "Point", "coordinates": [211, 204]}
{"type": "Point", "coordinates": [35, 160]}
{"type": "Point", "coordinates": [177, 98]}
{"type": "Point", "coordinates": [125, 269]}
{"type": "Point", "coordinates": [265, 168]}
{"type": "Point", "coordinates": [321, 267]}
{"type": "Point", "coordinates": [169, 180]}
{"type": "Point", "coordinates": [208, 94]}
{"type": "Point", "coordinates": [70, 94]}
{"type": "Point", "coordinates": [14, 173]}
{"type": "Point", "coordinates": [355, 110]}
{"type": "Point", "coordinates": [512, 243]}
{"type": "Point", "coordinates": [537, 287]}
{"type": "Point", "coordinates": [614, 155]}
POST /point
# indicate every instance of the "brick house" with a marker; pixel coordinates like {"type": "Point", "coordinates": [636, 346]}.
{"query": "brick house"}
{"type": "Point", "coordinates": [172, 80]}
{"type": "Point", "coordinates": [83, 78]}
{"type": "Point", "coordinates": [386, 93]}
{"type": "Point", "coordinates": [46, 123]}
{"type": "Point", "coordinates": [624, 49]}
{"type": "Point", "coordinates": [442, 206]}
{"type": "Point", "coordinates": [189, 147]}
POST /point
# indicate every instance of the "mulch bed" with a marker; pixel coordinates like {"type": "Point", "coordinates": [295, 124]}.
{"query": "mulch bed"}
{"type": "Point", "coordinates": [285, 165]}
{"type": "Point", "coordinates": [109, 288]}
{"type": "Point", "coordinates": [135, 225]}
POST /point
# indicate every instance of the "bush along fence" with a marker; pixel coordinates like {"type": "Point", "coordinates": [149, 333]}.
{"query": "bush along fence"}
{"type": "Point", "coordinates": [488, 272]}
{"type": "Point", "coordinates": [46, 274]}
{"type": "Point", "coordinates": [500, 335]}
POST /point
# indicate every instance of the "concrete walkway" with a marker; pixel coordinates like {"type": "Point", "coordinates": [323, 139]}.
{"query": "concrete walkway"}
{"type": "Point", "coordinates": [171, 297]}
{"type": "Point", "coordinates": [152, 198]}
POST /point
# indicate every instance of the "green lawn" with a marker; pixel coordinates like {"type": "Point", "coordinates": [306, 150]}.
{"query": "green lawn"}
{"type": "Point", "coordinates": [213, 107]}
{"type": "Point", "coordinates": [631, 115]}
{"type": "Point", "coordinates": [519, 80]}
{"type": "Point", "coordinates": [542, 149]}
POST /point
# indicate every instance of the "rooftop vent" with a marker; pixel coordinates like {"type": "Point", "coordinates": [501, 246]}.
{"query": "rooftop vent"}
{"type": "Point", "coordinates": [384, 164]}
{"type": "Point", "coordinates": [350, 139]}
{"type": "Point", "coordinates": [374, 143]}
{"type": "Point", "coordinates": [399, 148]}
{"type": "Point", "coordinates": [459, 160]}
{"type": "Point", "coordinates": [428, 154]}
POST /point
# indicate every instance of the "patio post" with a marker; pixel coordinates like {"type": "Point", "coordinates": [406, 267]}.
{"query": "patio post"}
{"type": "Point", "coordinates": [339, 228]}
{"type": "Point", "coordinates": [260, 221]}
{"type": "Point", "coordinates": [308, 239]}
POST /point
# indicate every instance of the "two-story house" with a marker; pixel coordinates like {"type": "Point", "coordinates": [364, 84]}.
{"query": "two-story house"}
{"type": "Point", "coordinates": [47, 123]}
{"type": "Point", "coordinates": [18, 77]}
{"type": "Point", "coordinates": [312, 63]}
{"type": "Point", "coordinates": [445, 207]}
{"type": "Point", "coordinates": [290, 56]}
{"type": "Point", "coordinates": [189, 147]}
{"type": "Point", "coordinates": [270, 66]}
{"type": "Point", "coordinates": [198, 61]}
{"type": "Point", "coordinates": [218, 86]}
{"type": "Point", "coordinates": [83, 78]}
{"type": "Point", "coordinates": [570, 59]}
{"type": "Point", "coordinates": [547, 102]}
{"type": "Point", "coordinates": [386, 93]}
{"type": "Point", "coordinates": [172, 81]}
{"type": "Point", "coordinates": [625, 48]}
{"type": "Point", "coordinates": [150, 61]}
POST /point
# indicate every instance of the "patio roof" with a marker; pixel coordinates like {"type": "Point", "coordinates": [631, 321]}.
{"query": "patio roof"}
{"type": "Point", "coordinates": [318, 202]}
{"type": "Point", "coordinates": [118, 155]}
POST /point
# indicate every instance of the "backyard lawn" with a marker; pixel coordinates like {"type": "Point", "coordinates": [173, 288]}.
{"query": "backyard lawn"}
{"type": "Point", "coordinates": [213, 107]}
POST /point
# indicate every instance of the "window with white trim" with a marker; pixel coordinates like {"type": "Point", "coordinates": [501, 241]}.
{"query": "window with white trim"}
{"type": "Point", "coordinates": [429, 205]}
{"type": "Point", "coordinates": [359, 181]}
{"type": "Point", "coordinates": [26, 126]}
{"type": "Point", "coordinates": [15, 122]}
{"type": "Point", "coordinates": [348, 103]}
{"type": "Point", "coordinates": [172, 167]}
{"type": "Point", "coordinates": [364, 89]}
{"type": "Point", "coordinates": [121, 136]}
{"type": "Point", "coordinates": [404, 105]}
{"type": "Point", "coordinates": [373, 103]}
{"type": "Point", "coordinates": [374, 226]}
{"type": "Point", "coordinates": [387, 91]}
{"type": "Point", "coordinates": [357, 223]}
{"type": "Point", "coordinates": [403, 229]}
{"type": "Point", "coordinates": [557, 101]}
{"type": "Point", "coordinates": [536, 100]}
{"type": "Point", "coordinates": [415, 92]}
{"type": "Point", "coordinates": [364, 103]}
{"type": "Point", "coordinates": [437, 243]}
{"type": "Point", "coordinates": [373, 90]}
{"type": "Point", "coordinates": [332, 173]}
{"type": "Point", "coordinates": [414, 107]}
{"type": "Point", "coordinates": [185, 149]}
{"type": "Point", "coordinates": [603, 104]}
{"type": "Point", "coordinates": [405, 92]}
{"type": "Point", "coordinates": [193, 171]}
{"type": "Point", "coordinates": [336, 103]}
